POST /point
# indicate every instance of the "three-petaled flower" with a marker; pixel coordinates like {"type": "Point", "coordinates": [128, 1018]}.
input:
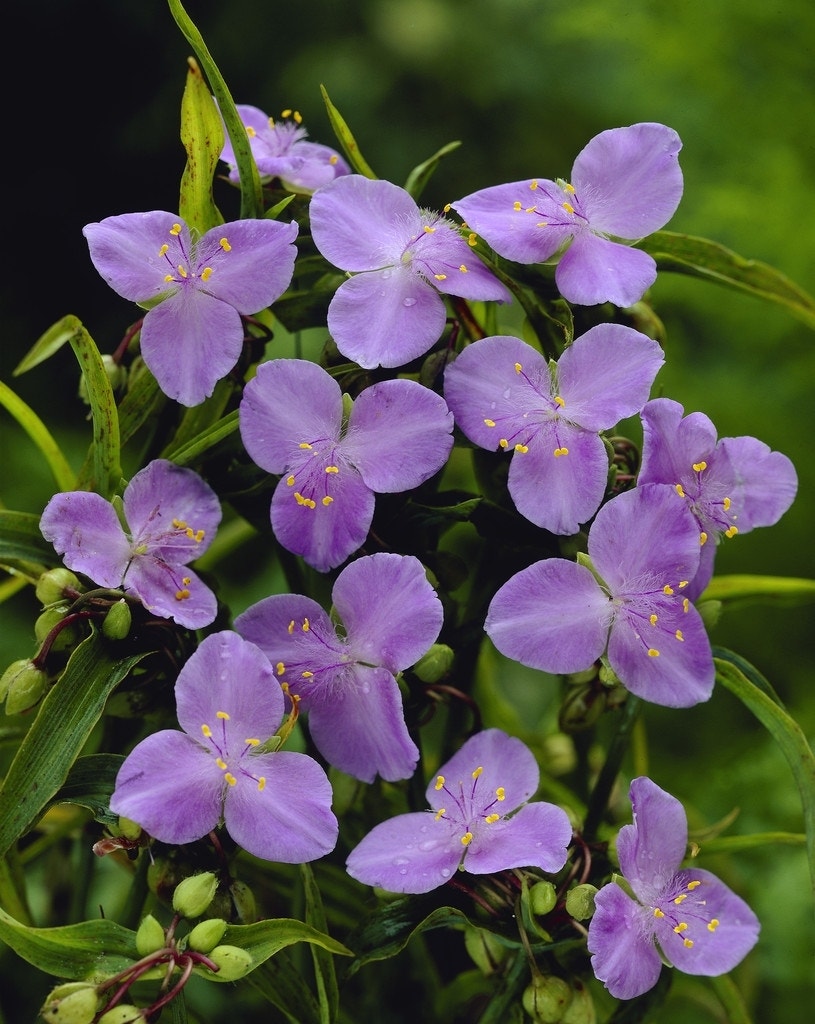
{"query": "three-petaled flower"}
{"type": "Point", "coordinates": [398, 434]}
{"type": "Point", "coordinates": [503, 394]}
{"type": "Point", "coordinates": [179, 785]}
{"type": "Point", "coordinates": [686, 916]}
{"type": "Point", "coordinates": [479, 821]}
{"type": "Point", "coordinates": [625, 184]}
{"type": "Point", "coordinates": [731, 485]}
{"type": "Point", "coordinates": [400, 257]}
{"type": "Point", "coordinates": [171, 516]}
{"type": "Point", "coordinates": [281, 150]}
{"type": "Point", "coordinates": [557, 616]}
{"type": "Point", "coordinates": [390, 616]}
{"type": "Point", "coordinates": [197, 288]}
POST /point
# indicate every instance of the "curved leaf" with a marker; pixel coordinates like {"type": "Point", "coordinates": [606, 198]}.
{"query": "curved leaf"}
{"type": "Point", "coordinates": [346, 138]}
{"type": "Point", "coordinates": [40, 435]}
{"type": "Point", "coordinates": [202, 133]}
{"type": "Point", "coordinates": [768, 589]}
{"type": "Point", "coordinates": [20, 538]}
{"type": "Point", "coordinates": [90, 783]}
{"type": "Point", "coordinates": [419, 176]}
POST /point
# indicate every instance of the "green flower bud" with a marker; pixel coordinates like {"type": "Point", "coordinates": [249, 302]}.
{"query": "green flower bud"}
{"type": "Point", "coordinates": [115, 372]}
{"type": "Point", "coordinates": [436, 664]}
{"type": "Point", "coordinates": [22, 685]}
{"type": "Point", "coordinates": [72, 1003]}
{"type": "Point", "coordinates": [243, 900]}
{"type": "Point", "coordinates": [129, 829]}
{"type": "Point", "coordinates": [485, 950]}
{"type": "Point", "coordinates": [192, 896]}
{"type": "Point", "coordinates": [46, 622]}
{"type": "Point", "coordinates": [116, 624]}
{"type": "Point", "coordinates": [51, 585]}
{"type": "Point", "coordinates": [710, 611]}
{"type": "Point", "coordinates": [542, 898]}
{"type": "Point", "coordinates": [149, 936]}
{"type": "Point", "coordinates": [234, 962]}
{"type": "Point", "coordinates": [124, 1013]}
{"type": "Point", "coordinates": [546, 999]}
{"type": "Point", "coordinates": [580, 901]}
{"type": "Point", "coordinates": [581, 1009]}
{"type": "Point", "coordinates": [206, 934]}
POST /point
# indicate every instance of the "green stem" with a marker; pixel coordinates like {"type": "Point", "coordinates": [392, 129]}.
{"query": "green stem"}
{"type": "Point", "coordinates": [598, 801]}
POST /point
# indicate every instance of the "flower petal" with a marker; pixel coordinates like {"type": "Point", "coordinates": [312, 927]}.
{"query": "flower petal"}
{"type": "Point", "coordinates": [536, 837]}
{"type": "Point", "coordinates": [170, 786]}
{"type": "Point", "coordinates": [385, 317]}
{"type": "Point", "coordinates": [629, 180]}
{"type": "Point", "coordinates": [651, 849]}
{"type": "Point", "coordinates": [499, 761]}
{"type": "Point", "coordinates": [447, 261]}
{"type": "Point", "coordinates": [673, 443]}
{"type": "Point", "coordinates": [288, 819]}
{"type": "Point", "coordinates": [595, 270]}
{"type": "Point", "coordinates": [86, 532]}
{"type": "Point", "coordinates": [410, 853]}
{"type": "Point", "coordinates": [291, 630]}
{"type": "Point", "coordinates": [171, 591]}
{"type": "Point", "coordinates": [551, 616]}
{"type": "Point", "coordinates": [765, 482]}
{"type": "Point", "coordinates": [624, 956]}
{"type": "Point", "coordinates": [399, 434]}
{"type": "Point", "coordinates": [127, 251]}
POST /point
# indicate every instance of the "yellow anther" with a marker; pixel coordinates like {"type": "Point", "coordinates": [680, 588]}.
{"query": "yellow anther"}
{"type": "Point", "coordinates": [186, 581]}
{"type": "Point", "coordinates": [653, 652]}
{"type": "Point", "coordinates": [440, 277]}
{"type": "Point", "coordinates": [290, 480]}
{"type": "Point", "coordinates": [182, 271]}
{"type": "Point", "coordinates": [306, 626]}
{"type": "Point", "coordinates": [558, 401]}
{"type": "Point", "coordinates": [280, 668]}
{"type": "Point", "coordinates": [687, 943]}
{"type": "Point", "coordinates": [446, 208]}
{"type": "Point", "coordinates": [680, 898]}
{"type": "Point", "coordinates": [517, 205]}
{"type": "Point", "coordinates": [230, 778]}
{"type": "Point", "coordinates": [681, 927]}
{"type": "Point", "coordinates": [568, 207]}
{"type": "Point", "coordinates": [731, 531]}
{"type": "Point", "coordinates": [472, 239]}
{"type": "Point", "coordinates": [542, 224]}
{"type": "Point", "coordinates": [206, 273]}
{"type": "Point", "coordinates": [333, 159]}
{"type": "Point", "coordinates": [205, 729]}
{"type": "Point", "coordinates": [653, 618]}
{"type": "Point", "coordinates": [568, 188]}
{"type": "Point", "coordinates": [221, 763]}
{"type": "Point", "coordinates": [658, 912]}
{"type": "Point", "coordinates": [463, 268]}
{"type": "Point", "coordinates": [693, 885]}
{"type": "Point", "coordinates": [327, 500]}
{"type": "Point", "coordinates": [560, 451]}
{"type": "Point", "coordinates": [685, 604]}
{"type": "Point", "coordinates": [699, 466]}
{"type": "Point", "coordinates": [522, 448]}
{"type": "Point", "coordinates": [179, 524]}
{"type": "Point", "coordinates": [489, 423]}
{"type": "Point", "coordinates": [518, 367]}
{"type": "Point", "coordinates": [222, 714]}
{"type": "Point", "coordinates": [175, 229]}
{"type": "Point", "coordinates": [466, 839]}
{"type": "Point", "coordinates": [168, 278]}
{"type": "Point", "coordinates": [164, 250]}
{"type": "Point", "coordinates": [533, 185]}
{"type": "Point", "coordinates": [726, 503]}
{"type": "Point", "coordinates": [306, 675]}
{"type": "Point", "coordinates": [440, 813]}
{"type": "Point", "coordinates": [477, 771]}
{"type": "Point", "coordinates": [683, 584]}
{"type": "Point", "coordinates": [667, 589]}
{"type": "Point", "coordinates": [678, 635]}
{"type": "Point", "coordinates": [500, 793]}
{"type": "Point", "coordinates": [503, 443]}
{"type": "Point", "coordinates": [713, 924]}
{"type": "Point", "coordinates": [680, 490]}
{"type": "Point", "coordinates": [304, 445]}
{"type": "Point", "coordinates": [530, 209]}
{"type": "Point", "coordinates": [250, 131]}
{"type": "Point", "coordinates": [332, 469]}
{"type": "Point", "coordinates": [428, 230]}
{"type": "Point", "coordinates": [492, 818]}
{"type": "Point", "coordinates": [290, 626]}
{"type": "Point", "coordinates": [702, 539]}
{"type": "Point", "coordinates": [182, 595]}
{"type": "Point", "coordinates": [261, 784]}
{"type": "Point", "coordinates": [439, 782]}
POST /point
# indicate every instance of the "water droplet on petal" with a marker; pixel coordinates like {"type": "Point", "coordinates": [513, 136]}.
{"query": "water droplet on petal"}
{"type": "Point", "coordinates": [400, 860]}
{"type": "Point", "coordinates": [409, 301]}
{"type": "Point", "coordinates": [428, 844]}
{"type": "Point", "coordinates": [445, 872]}
{"type": "Point", "coordinates": [386, 273]}
{"type": "Point", "coordinates": [507, 392]}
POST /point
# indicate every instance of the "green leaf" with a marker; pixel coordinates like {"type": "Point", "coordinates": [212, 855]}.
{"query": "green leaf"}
{"type": "Point", "coordinates": [699, 257]}
{"type": "Point", "coordinates": [47, 344]}
{"type": "Point", "coordinates": [90, 783]}
{"type": "Point", "coordinates": [324, 972]}
{"type": "Point", "coordinates": [346, 139]}
{"type": "Point", "coordinates": [784, 730]}
{"type": "Point", "coordinates": [419, 176]}
{"type": "Point", "coordinates": [202, 134]}
{"type": "Point", "coordinates": [191, 451]}
{"type": "Point", "coordinates": [89, 951]}
{"type": "Point", "coordinates": [282, 984]}
{"type": "Point", "coordinates": [63, 724]}
{"type": "Point", "coordinates": [141, 404]}
{"type": "Point", "coordinates": [20, 538]}
{"type": "Point", "coordinates": [251, 191]}
{"type": "Point", "coordinates": [787, 590]}
{"type": "Point", "coordinates": [40, 435]}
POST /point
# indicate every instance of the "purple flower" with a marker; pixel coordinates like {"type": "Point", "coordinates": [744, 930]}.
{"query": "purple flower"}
{"type": "Point", "coordinates": [686, 916]}
{"type": "Point", "coordinates": [504, 394]}
{"type": "Point", "coordinates": [171, 516]}
{"type": "Point", "coordinates": [291, 420]}
{"type": "Point", "coordinates": [626, 183]}
{"type": "Point", "coordinates": [731, 485]}
{"type": "Point", "coordinates": [179, 785]}
{"type": "Point", "coordinates": [479, 821]}
{"type": "Point", "coordinates": [281, 151]}
{"type": "Point", "coordinates": [390, 617]}
{"type": "Point", "coordinates": [197, 289]}
{"type": "Point", "coordinates": [390, 311]}
{"type": "Point", "coordinates": [556, 616]}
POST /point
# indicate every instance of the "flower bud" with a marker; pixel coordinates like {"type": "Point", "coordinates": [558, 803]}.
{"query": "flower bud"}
{"type": "Point", "coordinates": [710, 611]}
{"type": "Point", "coordinates": [542, 898]}
{"type": "Point", "coordinates": [124, 1013]}
{"type": "Point", "coordinates": [22, 685]}
{"type": "Point", "coordinates": [129, 829]}
{"type": "Point", "coordinates": [243, 900]}
{"type": "Point", "coordinates": [580, 901]}
{"type": "Point", "coordinates": [116, 624]}
{"type": "Point", "coordinates": [45, 623]}
{"type": "Point", "coordinates": [149, 936]}
{"type": "Point", "coordinates": [581, 1009]}
{"type": "Point", "coordinates": [193, 895]}
{"type": "Point", "coordinates": [234, 962]}
{"type": "Point", "coordinates": [485, 950]}
{"type": "Point", "coordinates": [435, 665]}
{"type": "Point", "coordinates": [206, 935]}
{"type": "Point", "coordinates": [51, 586]}
{"type": "Point", "coordinates": [75, 1002]}
{"type": "Point", "coordinates": [546, 999]}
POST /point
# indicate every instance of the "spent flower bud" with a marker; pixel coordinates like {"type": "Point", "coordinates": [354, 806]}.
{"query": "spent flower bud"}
{"type": "Point", "coordinates": [75, 1002]}
{"type": "Point", "coordinates": [193, 895]}
{"type": "Point", "coordinates": [580, 901]}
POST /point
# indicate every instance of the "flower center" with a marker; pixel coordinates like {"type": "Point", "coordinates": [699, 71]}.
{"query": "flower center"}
{"type": "Point", "coordinates": [468, 807]}
{"type": "Point", "coordinates": [685, 912]}
{"type": "Point", "coordinates": [186, 268]}
{"type": "Point", "coordinates": [541, 407]}
{"type": "Point", "coordinates": [654, 613]}
{"type": "Point", "coordinates": [313, 473]}
{"type": "Point", "coordinates": [712, 509]}
{"type": "Point", "coordinates": [235, 767]}
{"type": "Point", "coordinates": [559, 207]}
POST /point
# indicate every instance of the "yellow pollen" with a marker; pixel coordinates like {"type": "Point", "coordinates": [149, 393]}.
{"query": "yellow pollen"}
{"type": "Point", "coordinates": [653, 652]}
{"type": "Point", "coordinates": [221, 763]}
{"type": "Point", "coordinates": [653, 618]}
{"type": "Point", "coordinates": [280, 668]}
{"type": "Point", "coordinates": [305, 502]}
{"type": "Point", "coordinates": [683, 584]}
{"type": "Point", "coordinates": [558, 401]}
{"type": "Point", "coordinates": [713, 924]}
{"type": "Point", "coordinates": [230, 778]}
{"type": "Point", "coordinates": [290, 480]}
{"type": "Point", "coordinates": [678, 635]}
{"type": "Point", "coordinates": [560, 451]}
{"type": "Point", "coordinates": [168, 278]}
{"type": "Point", "coordinates": [291, 626]}
{"type": "Point", "coordinates": [252, 742]}
{"type": "Point", "coordinates": [687, 943]}
{"type": "Point", "coordinates": [568, 207]}
{"type": "Point", "coordinates": [466, 839]}
{"type": "Point", "coordinates": [250, 131]}
{"type": "Point", "coordinates": [306, 626]}
{"type": "Point", "coordinates": [463, 268]}
{"type": "Point", "coordinates": [492, 818]}
{"type": "Point", "coordinates": [685, 604]}
{"type": "Point", "coordinates": [681, 927]}
{"type": "Point", "coordinates": [332, 469]}
{"type": "Point", "coordinates": [667, 589]}
{"type": "Point", "coordinates": [472, 239]}
{"type": "Point", "coordinates": [522, 448]}
{"type": "Point", "coordinates": [306, 675]}
{"type": "Point", "coordinates": [693, 885]}
{"type": "Point", "coordinates": [261, 784]}
{"type": "Point", "coordinates": [182, 271]}
{"type": "Point", "coordinates": [428, 230]}
{"type": "Point", "coordinates": [206, 273]}
{"type": "Point", "coordinates": [440, 277]}
{"type": "Point", "coordinates": [439, 782]}
{"type": "Point", "coordinates": [440, 813]}
{"type": "Point", "coordinates": [680, 490]}
{"type": "Point", "coordinates": [489, 423]}
{"type": "Point", "coordinates": [658, 912]}
{"type": "Point", "coordinates": [530, 209]}
{"type": "Point", "coordinates": [164, 250]}
{"type": "Point", "coordinates": [726, 503]}
{"type": "Point", "coordinates": [503, 442]}
{"type": "Point", "coordinates": [500, 793]}
{"type": "Point", "coordinates": [327, 500]}
{"type": "Point", "coordinates": [731, 531]}
{"type": "Point", "coordinates": [699, 466]}
{"type": "Point", "coordinates": [517, 205]}
{"type": "Point", "coordinates": [446, 208]}
{"type": "Point", "coordinates": [205, 729]}
{"type": "Point", "coordinates": [175, 229]}
{"type": "Point", "coordinates": [186, 581]}
{"type": "Point", "coordinates": [222, 714]}
{"type": "Point", "coordinates": [569, 188]}
{"type": "Point", "coordinates": [179, 524]}
{"type": "Point", "coordinates": [679, 899]}
{"type": "Point", "coordinates": [533, 185]}
{"type": "Point", "coordinates": [182, 595]}
{"type": "Point", "coordinates": [702, 538]}
{"type": "Point", "coordinates": [333, 159]}
{"type": "Point", "coordinates": [518, 367]}
{"type": "Point", "coordinates": [305, 445]}
{"type": "Point", "coordinates": [477, 771]}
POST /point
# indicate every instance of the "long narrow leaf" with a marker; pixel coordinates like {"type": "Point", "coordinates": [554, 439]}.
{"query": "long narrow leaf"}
{"type": "Point", "coordinates": [62, 473]}
{"type": "Point", "coordinates": [346, 138]}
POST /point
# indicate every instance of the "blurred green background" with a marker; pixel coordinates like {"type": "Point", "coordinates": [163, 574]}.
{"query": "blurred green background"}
{"type": "Point", "coordinates": [92, 130]}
